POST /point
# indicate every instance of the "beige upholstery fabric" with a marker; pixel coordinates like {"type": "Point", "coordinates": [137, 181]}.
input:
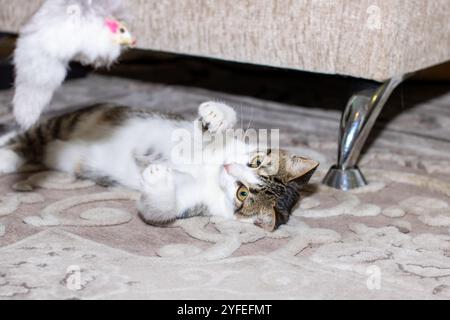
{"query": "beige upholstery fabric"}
{"type": "Point", "coordinates": [374, 39]}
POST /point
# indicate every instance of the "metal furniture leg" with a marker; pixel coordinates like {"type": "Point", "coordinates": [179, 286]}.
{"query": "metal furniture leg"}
{"type": "Point", "coordinates": [357, 121]}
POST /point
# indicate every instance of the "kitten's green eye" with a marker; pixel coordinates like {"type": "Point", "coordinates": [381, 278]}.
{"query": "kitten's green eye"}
{"type": "Point", "coordinates": [242, 193]}
{"type": "Point", "coordinates": [256, 162]}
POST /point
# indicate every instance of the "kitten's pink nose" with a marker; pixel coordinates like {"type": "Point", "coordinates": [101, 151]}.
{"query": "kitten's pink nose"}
{"type": "Point", "coordinates": [227, 167]}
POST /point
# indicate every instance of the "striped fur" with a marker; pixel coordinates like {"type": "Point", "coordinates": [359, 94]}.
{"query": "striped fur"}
{"type": "Point", "coordinates": [120, 145]}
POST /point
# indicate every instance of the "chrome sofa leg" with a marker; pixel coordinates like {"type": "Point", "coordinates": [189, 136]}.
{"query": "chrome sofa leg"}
{"type": "Point", "coordinates": [357, 121]}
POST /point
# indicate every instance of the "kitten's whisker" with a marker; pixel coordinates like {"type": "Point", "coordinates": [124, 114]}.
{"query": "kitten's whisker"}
{"type": "Point", "coordinates": [251, 118]}
{"type": "Point", "coordinates": [242, 117]}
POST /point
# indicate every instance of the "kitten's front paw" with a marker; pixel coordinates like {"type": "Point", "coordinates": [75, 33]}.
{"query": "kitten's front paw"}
{"type": "Point", "coordinates": [157, 176]}
{"type": "Point", "coordinates": [216, 116]}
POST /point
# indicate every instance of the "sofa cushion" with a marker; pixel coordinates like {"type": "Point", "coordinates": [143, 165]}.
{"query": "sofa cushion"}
{"type": "Point", "coordinates": [372, 39]}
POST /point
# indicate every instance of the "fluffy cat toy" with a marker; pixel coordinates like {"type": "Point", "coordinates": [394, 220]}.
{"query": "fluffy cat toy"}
{"type": "Point", "coordinates": [87, 31]}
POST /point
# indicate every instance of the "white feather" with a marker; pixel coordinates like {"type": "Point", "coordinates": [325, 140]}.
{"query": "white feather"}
{"type": "Point", "coordinates": [60, 31]}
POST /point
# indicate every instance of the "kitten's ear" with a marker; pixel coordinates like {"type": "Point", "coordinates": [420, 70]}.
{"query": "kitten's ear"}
{"type": "Point", "coordinates": [272, 219]}
{"type": "Point", "coordinates": [300, 169]}
{"type": "Point", "coordinates": [266, 220]}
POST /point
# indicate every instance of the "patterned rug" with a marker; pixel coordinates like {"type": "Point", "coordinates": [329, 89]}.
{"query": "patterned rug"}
{"type": "Point", "coordinates": [66, 239]}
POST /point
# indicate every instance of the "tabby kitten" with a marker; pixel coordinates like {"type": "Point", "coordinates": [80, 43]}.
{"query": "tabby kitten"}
{"type": "Point", "coordinates": [135, 148]}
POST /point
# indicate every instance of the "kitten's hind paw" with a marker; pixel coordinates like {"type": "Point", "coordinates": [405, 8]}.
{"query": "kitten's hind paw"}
{"type": "Point", "coordinates": [157, 176]}
{"type": "Point", "coordinates": [216, 116]}
{"type": "Point", "coordinates": [10, 161]}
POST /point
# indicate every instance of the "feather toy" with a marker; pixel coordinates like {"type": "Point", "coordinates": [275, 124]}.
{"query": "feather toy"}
{"type": "Point", "coordinates": [92, 32]}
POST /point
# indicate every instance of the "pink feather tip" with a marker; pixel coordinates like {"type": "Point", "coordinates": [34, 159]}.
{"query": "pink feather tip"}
{"type": "Point", "coordinates": [112, 25]}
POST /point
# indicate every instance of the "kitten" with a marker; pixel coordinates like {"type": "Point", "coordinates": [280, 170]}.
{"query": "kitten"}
{"type": "Point", "coordinates": [61, 31]}
{"type": "Point", "coordinates": [138, 149]}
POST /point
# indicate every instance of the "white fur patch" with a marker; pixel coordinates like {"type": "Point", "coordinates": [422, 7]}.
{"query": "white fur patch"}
{"type": "Point", "coordinates": [9, 161]}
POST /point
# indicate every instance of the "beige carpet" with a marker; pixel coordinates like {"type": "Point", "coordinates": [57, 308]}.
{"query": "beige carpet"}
{"type": "Point", "coordinates": [64, 239]}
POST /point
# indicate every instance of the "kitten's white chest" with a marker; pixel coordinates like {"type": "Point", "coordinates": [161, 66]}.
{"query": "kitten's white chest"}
{"type": "Point", "coordinates": [215, 196]}
{"type": "Point", "coordinates": [203, 188]}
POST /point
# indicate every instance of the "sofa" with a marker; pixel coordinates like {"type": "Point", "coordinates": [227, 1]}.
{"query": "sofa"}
{"type": "Point", "coordinates": [381, 40]}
